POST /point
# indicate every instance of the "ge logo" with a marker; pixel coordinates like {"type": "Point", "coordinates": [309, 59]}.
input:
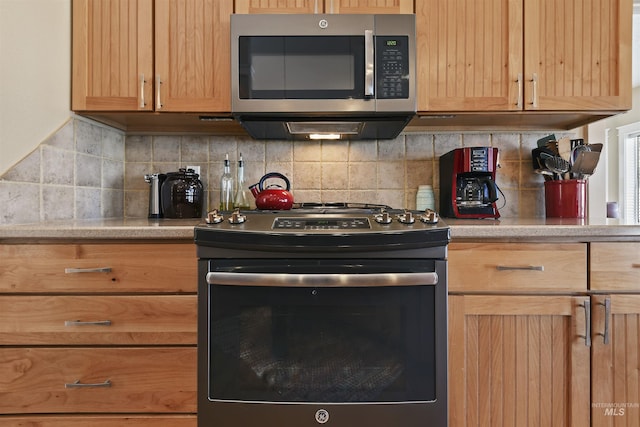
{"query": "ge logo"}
{"type": "Point", "coordinates": [323, 24]}
{"type": "Point", "coordinates": [322, 416]}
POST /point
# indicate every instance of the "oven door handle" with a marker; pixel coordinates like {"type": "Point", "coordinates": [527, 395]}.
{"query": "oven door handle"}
{"type": "Point", "coordinates": [315, 280]}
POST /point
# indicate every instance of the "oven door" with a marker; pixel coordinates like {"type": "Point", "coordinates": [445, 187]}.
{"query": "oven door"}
{"type": "Point", "coordinates": [329, 333]}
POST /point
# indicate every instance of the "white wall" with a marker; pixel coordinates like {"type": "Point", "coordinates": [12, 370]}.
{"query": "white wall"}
{"type": "Point", "coordinates": [35, 74]}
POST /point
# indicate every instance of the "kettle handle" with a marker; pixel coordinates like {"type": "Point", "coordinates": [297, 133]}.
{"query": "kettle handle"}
{"type": "Point", "coordinates": [274, 175]}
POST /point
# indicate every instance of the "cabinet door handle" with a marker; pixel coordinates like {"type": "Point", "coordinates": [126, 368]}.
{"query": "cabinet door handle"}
{"type": "Point", "coordinates": [534, 84]}
{"type": "Point", "coordinates": [78, 384]}
{"type": "Point", "coordinates": [607, 315]}
{"type": "Point", "coordinates": [142, 82]}
{"type": "Point", "coordinates": [519, 102]}
{"type": "Point", "coordinates": [90, 323]}
{"type": "Point", "coordinates": [158, 98]}
{"type": "Point", "coordinates": [87, 270]}
{"type": "Point", "coordinates": [587, 321]}
{"type": "Point", "coordinates": [635, 265]}
{"type": "Point", "coordinates": [524, 267]}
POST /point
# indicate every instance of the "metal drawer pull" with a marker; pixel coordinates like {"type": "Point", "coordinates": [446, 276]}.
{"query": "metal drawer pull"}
{"type": "Point", "coordinates": [87, 270]}
{"type": "Point", "coordinates": [635, 265]}
{"type": "Point", "coordinates": [527, 267]}
{"type": "Point", "coordinates": [607, 315]}
{"type": "Point", "coordinates": [311, 280]}
{"type": "Point", "coordinates": [78, 384]}
{"type": "Point", "coordinates": [81, 323]}
{"type": "Point", "coordinates": [587, 321]}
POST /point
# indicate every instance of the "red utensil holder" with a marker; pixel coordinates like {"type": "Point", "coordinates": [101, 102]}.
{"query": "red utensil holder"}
{"type": "Point", "coordinates": [565, 198]}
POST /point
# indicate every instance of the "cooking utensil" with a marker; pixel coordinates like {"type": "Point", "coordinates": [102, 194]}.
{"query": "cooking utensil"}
{"type": "Point", "coordinates": [557, 164]}
{"type": "Point", "coordinates": [564, 148]}
{"type": "Point", "coordinates": [585, 164]}
{"type": "Point", "coordinates": [576, 151]}
{"type": "Point", "coordinates": [273, 197]}
{"type": "Point", "coordinates": [596, 147]}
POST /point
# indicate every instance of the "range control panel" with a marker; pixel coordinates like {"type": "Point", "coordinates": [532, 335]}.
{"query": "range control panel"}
{"type": "Point", "coordinates": [346, 223]}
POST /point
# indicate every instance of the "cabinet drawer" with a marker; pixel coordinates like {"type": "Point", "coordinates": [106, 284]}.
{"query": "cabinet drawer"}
{"type": "Point", "coordinates": [99, 421]}
{"type": "Point", "coordinates": [123, 380]}
{"type": "Point", "coordinates": [105, 267]}
{"type": "Point", "coordinates": [515, 267]}
{"type": "Point", "coordinates": [615, 266]}
{"type": "Point", "coordinates": [98, 319]}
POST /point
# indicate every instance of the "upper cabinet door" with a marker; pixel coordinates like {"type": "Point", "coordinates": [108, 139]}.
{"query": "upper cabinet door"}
{"type": "Point", "coordinates": [324, 6]}
{"type": "Point", "coordinates": [577, 54]}
{"type": "Point", "coordinates": [193, 55]}
{"type": "Point", "coordinates": [369, 6]}
{"type": "Point", "coordinates": [279, 6]}
{"type": "Point", "coordinates": [469, 55]}
{"type": "Point", "coordinates": [112, 55]}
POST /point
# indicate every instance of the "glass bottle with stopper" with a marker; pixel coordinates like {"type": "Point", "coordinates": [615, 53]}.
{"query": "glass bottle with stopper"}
{"type": "Point", "coordinates": [241, 201]}
{"type": "Point", "coordinates": [226, 187]}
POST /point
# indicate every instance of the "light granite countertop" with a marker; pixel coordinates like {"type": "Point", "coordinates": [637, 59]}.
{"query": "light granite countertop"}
{"type": "Point", "coordinates": [510, 229]}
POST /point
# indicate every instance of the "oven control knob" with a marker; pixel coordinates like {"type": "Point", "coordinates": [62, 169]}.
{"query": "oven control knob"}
{"type": "Point", "coordinates": [237, 217]}
{"type": "Point", "coordinates": [406, 218]}
{"type": "Point", "coordinates": [383, 218]}
{"type": "Point", "coordinates": [429, 217]}
{"type": "Point", "coordinates": [213, 217]}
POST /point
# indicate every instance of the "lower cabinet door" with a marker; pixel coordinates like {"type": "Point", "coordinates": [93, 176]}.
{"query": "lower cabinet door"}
{"type": "Point", "coordinates": [615, 378]}
{"type": "Point", "coordinates": [518, 361]}
{"type": "Point", "coordinates": [92, 380]}
{"type": "Point", "coordinates": [98, 421]}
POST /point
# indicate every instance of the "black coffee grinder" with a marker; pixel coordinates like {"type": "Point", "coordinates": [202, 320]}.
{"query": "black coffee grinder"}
{"type": "Point", "coordinates": [468, 183]}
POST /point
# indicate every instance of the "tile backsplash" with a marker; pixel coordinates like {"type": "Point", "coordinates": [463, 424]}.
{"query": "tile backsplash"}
{"type": "Point", "coordinates": [88, 170]}
{"type": "Point", "coordinates": [77, 173]}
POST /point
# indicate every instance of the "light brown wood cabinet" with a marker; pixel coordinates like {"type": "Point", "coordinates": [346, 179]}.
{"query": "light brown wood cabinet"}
{"type": "Point", "coordinates": [92, 331]}
{"type": "Point", "coordinates": [145, 55]}
{"type": "Point", "coordinates": [518, 353]}
{"type": "Point", "coordinates": [526, 353]}
{"type": "Point", "coordinates": [324, 6]}
{"type": "Point", "coordinates": [524, 55]}
{"type": "Point", "coordinates": [522, 267]}
{"type": "Point", "coordinates": [615, 350]}
{"type": "Point", "coordinates": [518, 360]}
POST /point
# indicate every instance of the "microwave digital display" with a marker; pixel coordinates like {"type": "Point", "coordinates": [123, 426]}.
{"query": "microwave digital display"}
{"type": "Point", "coordinates": [392, 67]}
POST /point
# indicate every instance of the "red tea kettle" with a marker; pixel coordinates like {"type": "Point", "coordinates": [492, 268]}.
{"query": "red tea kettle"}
{"type": "Point", "coordinates": [274, 197]}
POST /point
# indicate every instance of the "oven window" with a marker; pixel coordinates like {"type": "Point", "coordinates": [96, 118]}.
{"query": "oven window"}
{"type": "Point", "coordinates": [329, 344]}
{"type": "Point", "coordinates": [302, 67]}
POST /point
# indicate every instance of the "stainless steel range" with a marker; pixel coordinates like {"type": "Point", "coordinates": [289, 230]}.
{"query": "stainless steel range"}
{"type": "Point", "coordinates": [325, 314]}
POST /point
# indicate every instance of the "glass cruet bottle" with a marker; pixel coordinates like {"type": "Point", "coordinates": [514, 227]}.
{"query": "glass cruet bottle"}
{"type": "Point", "coordinates": [226, 187]}
{"type": "Point", "coordinates": [241, 201]}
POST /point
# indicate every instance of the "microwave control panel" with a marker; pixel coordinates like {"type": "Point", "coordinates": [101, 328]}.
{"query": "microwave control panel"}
{"type": "Point", "coordinates": [392, 67]}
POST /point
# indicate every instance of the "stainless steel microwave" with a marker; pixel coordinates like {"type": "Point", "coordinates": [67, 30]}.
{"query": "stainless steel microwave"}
{"type": "Point", "coordinates": [348, 74]}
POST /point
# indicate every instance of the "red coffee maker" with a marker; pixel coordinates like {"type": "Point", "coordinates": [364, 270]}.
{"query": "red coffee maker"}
{"type": "Point", "coordinates": [468, 183]}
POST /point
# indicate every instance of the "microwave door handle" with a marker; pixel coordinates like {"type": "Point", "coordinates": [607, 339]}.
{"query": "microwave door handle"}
{"type": "Point", "coordinates": [368, 63]}
{"type": "Point", "coordinates": [313, 280]}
